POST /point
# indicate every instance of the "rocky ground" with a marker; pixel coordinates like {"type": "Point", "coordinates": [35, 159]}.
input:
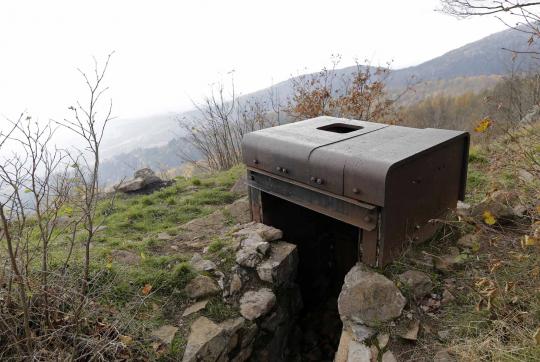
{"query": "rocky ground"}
{"type": "Point", "coordinates": [182, 274]}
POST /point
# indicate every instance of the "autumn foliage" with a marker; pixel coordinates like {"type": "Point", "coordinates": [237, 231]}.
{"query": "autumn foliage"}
{"type": "Point", "coordinates": [359, 94]}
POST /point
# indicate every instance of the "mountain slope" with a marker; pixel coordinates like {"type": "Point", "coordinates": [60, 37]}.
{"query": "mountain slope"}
{"type": "Point", "coordinates": [473, 67]}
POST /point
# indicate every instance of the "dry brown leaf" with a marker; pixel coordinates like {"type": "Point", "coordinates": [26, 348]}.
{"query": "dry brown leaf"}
{"type": "Point", "coordinates": [146, 289]}
{"type": "Point", "coordinates": [127, 340]}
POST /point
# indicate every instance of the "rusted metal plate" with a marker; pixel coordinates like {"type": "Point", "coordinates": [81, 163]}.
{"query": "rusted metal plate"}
{"type": "Point", "coordinates": [293, 150]}
{"type": "Point", "coordinates": [421, 190]}
{"type": "Point", "coordinates": [349, 211]}
{"type": "Point", "coordinates": [355, 164]}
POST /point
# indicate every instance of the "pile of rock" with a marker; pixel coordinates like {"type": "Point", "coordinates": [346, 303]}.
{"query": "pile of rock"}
{"type": "Point", "coordinates": [265, 268]}
{"type": "Point", "coordinates": [370, 305]}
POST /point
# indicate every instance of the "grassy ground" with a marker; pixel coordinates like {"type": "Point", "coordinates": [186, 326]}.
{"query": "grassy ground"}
{"type": "Point", "coordinates": [495, 312]}
{"type": "Point", "coordinates": [137, 287]}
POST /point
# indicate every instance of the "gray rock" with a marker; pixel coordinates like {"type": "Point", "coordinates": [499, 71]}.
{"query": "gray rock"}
{"type": "Point", "coordinates": [164, 236]}
{"type": "Point", "coordinates": [463, 209]}
{"type": "Point", "coordinates": [131, 185]}
{"type": "Point", "coordinates": [240, 186]}
{"type": "Point", "coordinates": [194, 308]}
{"type": "Point", "coordinates": [500, 204]}
{"type": "Point", "coordinates": [207, 341]}
{"type": "Point", "coordinates": [268, 233]}
{"type": "Point", "coordinates": [388, 356]}
{"type": "Point", "coordinates": [236, 284]}
{"type": "Point", "coordinates": [280, 267]}
{"type": "Point", "coordinates": [255, 241]}
{"type": "Point", "coordinates": [147, 175]}
{"type": "Point", "coordinates": [342, 353]}
{"type": "Point", "coordinates": [248, 257]}
{"type": "Point", "coordinates": [255, 304]}
{"type": "Point", "coordinates": [369, 298]}
{"type": "Point", "coordinates": [358, 352]}
{"type": "Point", "coordinates": [382, 340]}
{"type": "Point", "coordinates": [201, 286]}
{"type": "Point", "coordinates": [165, 333]}
{"type": "Point", "coordinates": [141, 179]}
{"type": "Point", "coordinates": [359, 332]}
{"type": "Point", "coordinates": [418, 283]}
{"type": "Point", "coordinates": [200, 264]}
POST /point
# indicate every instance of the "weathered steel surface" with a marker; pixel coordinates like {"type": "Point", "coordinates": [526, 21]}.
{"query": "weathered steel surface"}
{"type": "Point", "coordinates": [349, 211]}
{"type": "Point", "coordinates": [355, 171]}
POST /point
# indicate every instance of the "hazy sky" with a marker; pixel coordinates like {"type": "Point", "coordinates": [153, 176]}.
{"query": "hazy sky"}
{"type": "Point", "coordinates": [168, 52]}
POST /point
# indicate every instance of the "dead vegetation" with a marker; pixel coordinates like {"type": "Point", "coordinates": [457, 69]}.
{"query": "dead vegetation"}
{"type": "Point", "coordinates": [485, 263]}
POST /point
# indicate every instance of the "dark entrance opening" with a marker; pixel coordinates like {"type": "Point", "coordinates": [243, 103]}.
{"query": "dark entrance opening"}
{"type": "Point", "coordinates": [327, 249]}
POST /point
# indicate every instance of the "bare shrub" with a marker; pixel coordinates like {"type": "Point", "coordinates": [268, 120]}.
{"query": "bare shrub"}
{"type": "Point", "coordinates": [219, 123]}
{"type": "Point", "coordinates": [359, 94]}
{"type": "Point", "coordinates": [48, 200]}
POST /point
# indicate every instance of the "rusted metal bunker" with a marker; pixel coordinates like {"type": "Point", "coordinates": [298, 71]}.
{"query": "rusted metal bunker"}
{"type": "Point", "coordinates": [387, 181]}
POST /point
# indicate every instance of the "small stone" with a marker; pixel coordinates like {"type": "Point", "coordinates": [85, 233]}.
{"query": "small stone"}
{"type": "Point", "coordinates": [419, 284]}
{"type": "Point", "coordinates": [443, 335]}
{"type": "Point", "coordinates": [382, 340]}
{"type": "Point", "coordinates": [463, 209]}
{"type": "Point", "coordinates": [447, 297]}
{"type": "Point", "coordinates": [388, 356]}
{"type": "Point", "coordinates": [236, 284]}
{"type": "Point", "coordinates": [164, 236]}
{"type": "Point", "coordinates": [360, 332]}
{"type": "Point", "coordinates": [194, 308]}
{"type": "Point", "coordinates": [206, 341]}
{"type": "Point", "coordinates": [280, 267]}
{"type": "Point", "coordinates": [231, 326]}
{"type": "Point", "coordinates": [165, 333]}
{"type": "Point", "coordinates": [450, 261]}
{"type": "Point", "coordinates": [248, 257]}
{"type": "Point", "coordinates": [412, 331]}
{"type": "Point", "coordinates": [255, 241]}
{"type": "Point", "coordinates": [369, 298]}
{"type": "Point", "coordinates": [526, 176]}
{"type": "Point", "coordinates": [358, 352]}
{"type": "Point", "coordinates": [255, 304]}
{"type": "Point", "coordinates": [200, 264]}
{"type": "Point", "coordinates": [201, 286]}
{"type": "Point", "coordinates": [268, 233]}
{"type": "Point", "coordinates": [374, 353]}
{"type": "Point", "coordinates": [342, 353]}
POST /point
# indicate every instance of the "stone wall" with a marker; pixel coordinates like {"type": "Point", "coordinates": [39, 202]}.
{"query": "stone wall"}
{"type": "Point", "coordinates": [261, 286]}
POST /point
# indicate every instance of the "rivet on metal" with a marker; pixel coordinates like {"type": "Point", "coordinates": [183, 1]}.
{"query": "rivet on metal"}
{"type": "Point", "coordinates": [312, 179]}
{"type": "Point", "coordinates": [417, 227]}
{"type": "Point", "coordinates": [284, 170]}
{"type": "Point", "coordinates": [278, 168]}
{"type": "Point", "coordinates": [255, 161]}
{"type": "Point", "coordinates": [319, 181]}
{"type": "Point", "coordinates": [355, 190]}
{"type": "Point", "coordinates": [367, 218]}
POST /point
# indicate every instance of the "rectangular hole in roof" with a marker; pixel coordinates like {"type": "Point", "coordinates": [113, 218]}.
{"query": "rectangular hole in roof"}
{"type": "Point", "coordinates": [340, 128]}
